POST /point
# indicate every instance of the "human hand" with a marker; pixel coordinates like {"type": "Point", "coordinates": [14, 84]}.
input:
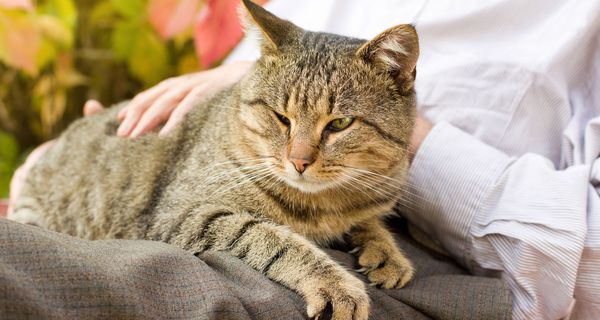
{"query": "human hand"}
{"type": "Point", "coordinates": [420, 132]}
{"type": "Point", "coordinates": [173, 98]}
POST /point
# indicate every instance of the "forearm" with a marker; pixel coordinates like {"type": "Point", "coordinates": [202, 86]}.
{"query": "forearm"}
{"type": "Point", "coordinates": [518, 216]}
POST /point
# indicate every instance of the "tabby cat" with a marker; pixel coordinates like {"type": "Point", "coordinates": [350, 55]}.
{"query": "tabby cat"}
{"type": "Point", "coordinates": [304, 150]}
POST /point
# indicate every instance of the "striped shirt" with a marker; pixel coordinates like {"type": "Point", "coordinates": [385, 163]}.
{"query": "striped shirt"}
{"type": "Point", "coordinates": [508, 180]}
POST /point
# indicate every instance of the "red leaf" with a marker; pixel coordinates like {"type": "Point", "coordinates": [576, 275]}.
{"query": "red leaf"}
{"type": "Point", "coordinates": [3, 207]}
{"type": "Point", "coordinates": [170, 17]}
{"type": "Point", "coordinates": [20, 45]}
{"type": "Point", "coordinates": [217, 30]}
{"type": "Point", "coordinates": [17, 4]}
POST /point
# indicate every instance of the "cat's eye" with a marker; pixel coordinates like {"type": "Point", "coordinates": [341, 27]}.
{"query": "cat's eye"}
{"type": "Point", "coordinates": [282, 118]}
{"type": "Point", "coordinates": [339, 124]}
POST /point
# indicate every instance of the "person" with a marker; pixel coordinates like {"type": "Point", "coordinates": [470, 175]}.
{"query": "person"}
{"type": "Point", "coordinates": [506, 172]}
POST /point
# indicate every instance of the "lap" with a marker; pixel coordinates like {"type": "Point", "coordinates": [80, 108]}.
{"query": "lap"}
{"type": "Point", "coordinates": [49, 275]}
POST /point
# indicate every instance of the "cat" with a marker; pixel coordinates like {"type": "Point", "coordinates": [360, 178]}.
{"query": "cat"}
{"type": "Point", "coordinates": [308, 148]}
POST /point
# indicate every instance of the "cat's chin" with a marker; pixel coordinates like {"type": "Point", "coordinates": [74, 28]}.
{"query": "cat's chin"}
{"type": "Point", "coordinates": [306, 186]}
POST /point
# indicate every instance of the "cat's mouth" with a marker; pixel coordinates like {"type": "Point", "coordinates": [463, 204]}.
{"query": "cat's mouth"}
{"type": "Point", "coordinates": [305, 182]}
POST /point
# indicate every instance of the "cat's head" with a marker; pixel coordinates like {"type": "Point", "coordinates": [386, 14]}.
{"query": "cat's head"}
{"type": "Point", "coordinates": [326, 111]}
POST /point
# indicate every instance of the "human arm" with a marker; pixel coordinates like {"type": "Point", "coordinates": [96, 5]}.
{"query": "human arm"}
{"type": "Point", "coordinates": [170, 100]}
{"type": "Point", "coordinates": [518, 217]}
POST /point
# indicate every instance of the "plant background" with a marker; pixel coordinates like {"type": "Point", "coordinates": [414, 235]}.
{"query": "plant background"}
{"type": "Point", "coordinates": [56, 54]}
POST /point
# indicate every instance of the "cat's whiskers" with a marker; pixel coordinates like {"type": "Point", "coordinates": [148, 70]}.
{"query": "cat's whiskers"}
{"type": "Point", "coordinates": [227, 107]}
{"type": "Point", "coordinates": [395, 188]}
{"type": "Point", "coordinates": [209, 171]}
{"type": "Point", "coordinates": [386, 188]}
{"type": "Point", "coordinates": [238, 161]}
{"type": "Point", "coordinates": [362, 184]}
{"type": "Point", "coordinates": [245, 178]}
{"type": "Point", "coordinates": [231, 172]}
{"type": "Point", "coordinates": [235, 174]}
{"type": "Point", "coordinates": [398, 191]}
{"type": "Point", "coordinates": [367, 172]}
{"type": "Point", "coordinates": [401, 193]}
{"type": "Point", "coordinates": [209, 174]}
{"type": "Point", "coordinates": [401, 186]}
{"type": "Point", "coordinates": [271, 181]}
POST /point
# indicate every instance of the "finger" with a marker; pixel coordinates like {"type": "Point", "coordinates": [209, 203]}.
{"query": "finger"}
{"type": "Point", "coordinates": [91, 107]}
{"type": "Point", "coordinates": [159, 111]}
{"type": "Point", "coordinates": [132, 117]}
{"type": "Point", "coordinates": [138, 105]}
{"type": "Point", "coordinates": [189, 102]}
{"type": "Point", "coordinates": [122, 113]}
{"type": "Point", "coordinates": [152, 93]}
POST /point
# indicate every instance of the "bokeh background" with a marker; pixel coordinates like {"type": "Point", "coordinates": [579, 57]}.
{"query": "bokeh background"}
{"type": "Point", "coordinates": [56, 54]}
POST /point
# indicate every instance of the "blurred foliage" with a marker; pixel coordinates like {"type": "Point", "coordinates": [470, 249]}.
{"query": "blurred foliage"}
{"type": "Point", "coordinates": [56, 54]}
{"type": "Point", "coordinates": [9, 153]}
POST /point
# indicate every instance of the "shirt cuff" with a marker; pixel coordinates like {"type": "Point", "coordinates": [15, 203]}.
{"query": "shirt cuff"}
{"type": "Point", "coordinates": [447, 183]}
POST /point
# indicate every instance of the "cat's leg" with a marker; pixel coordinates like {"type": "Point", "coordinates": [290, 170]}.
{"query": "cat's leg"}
{"type": "Point", "coordinates": [380, 259]}
{"type": "Point", "coordinates": [27, 211]}
{"type": "Point", "coordinates": [283, 256]}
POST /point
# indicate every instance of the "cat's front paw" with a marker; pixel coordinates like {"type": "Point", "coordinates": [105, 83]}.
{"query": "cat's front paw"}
{"type": "Point", "coordinates": [344, 292]}
{"type": "Point", "coordinates": [384, 265]}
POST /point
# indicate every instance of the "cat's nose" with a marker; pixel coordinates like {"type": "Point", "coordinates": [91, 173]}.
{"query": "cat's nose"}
{"type": "Point", "coordinates": [301, 164]}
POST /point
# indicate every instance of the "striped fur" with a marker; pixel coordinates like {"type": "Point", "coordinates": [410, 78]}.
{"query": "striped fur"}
{"type": "Point", "coordinates": [222, 180]}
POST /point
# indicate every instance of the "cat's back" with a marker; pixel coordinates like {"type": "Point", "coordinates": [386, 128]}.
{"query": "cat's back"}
{"type": "Point", "coordinates": [90, 171]}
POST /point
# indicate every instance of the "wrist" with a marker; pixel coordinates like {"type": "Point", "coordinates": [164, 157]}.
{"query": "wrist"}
{"type": "Point", "coordinates": [420, 132]}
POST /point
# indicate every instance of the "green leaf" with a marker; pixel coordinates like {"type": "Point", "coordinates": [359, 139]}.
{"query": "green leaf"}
{"type": "Point", "coordinates": [57, 20]}
{"type": "Point", "coordinates": [102, 12]}
{"type": "Point", "coordinates": [55, 31]}
{"type": "Point", "coordinates": [9, 150]}
{"type": "Point", "coordinates": [64, 10]}
{"type": "Point", "coordinates": [145, 53]}
{"type": "Point", "coordinates": [5, 176]}
{"type": "Point", "coordinates": [47, 52]}
{"type": "Point", "coordinates": [130, 8]}
{"type": "Point", "coordinates": [124, 38]}
{"type": "Point", "coordinates": [9, 153]}
{"type": "Point", "coordinates": [149, 61]}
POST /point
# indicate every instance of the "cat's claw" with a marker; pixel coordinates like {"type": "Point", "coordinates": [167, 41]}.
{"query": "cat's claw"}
{"type": "Point", "coordinates": [362, 270]}
{"type": "Point", "coordinates": [388, 269]}
{"type": "Point", "coordinates": [355, 250]}
{"type": "Point", "coordinates": [347, 297]}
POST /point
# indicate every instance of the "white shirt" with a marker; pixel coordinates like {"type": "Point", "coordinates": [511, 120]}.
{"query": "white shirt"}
{"type": "Point", "coordinates": [508, 180]}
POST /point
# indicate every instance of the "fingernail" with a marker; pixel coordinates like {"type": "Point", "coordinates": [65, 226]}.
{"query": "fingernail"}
{"type": "Point", "coordinates": [135, 133]}
{"type": "Point", "coordinates": [121, 115]}
{"type": "Point", "coordinates": [123, 128]}
{"type": "Point", "coordinates": [164, 131]}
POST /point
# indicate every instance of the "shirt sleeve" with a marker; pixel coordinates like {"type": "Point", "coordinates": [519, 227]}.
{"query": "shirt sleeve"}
{"type": "Point", "coordinates": [518, 217]}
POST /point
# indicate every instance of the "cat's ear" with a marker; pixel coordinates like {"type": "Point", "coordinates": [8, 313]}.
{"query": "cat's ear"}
{"type": "Point", "coordinates": [395, 52]}
{"type": "Point", "coordinates": [275, 33]}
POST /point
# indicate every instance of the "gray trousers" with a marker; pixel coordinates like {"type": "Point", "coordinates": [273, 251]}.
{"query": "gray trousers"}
{"type": "Point", "coordinates": [46, 275]}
